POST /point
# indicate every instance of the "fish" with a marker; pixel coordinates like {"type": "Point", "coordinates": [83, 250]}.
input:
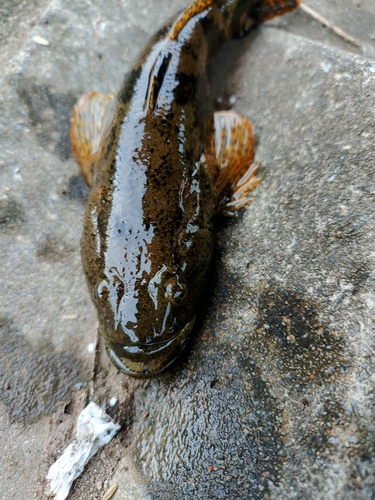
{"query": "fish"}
{"type": "Point", "coordinates": [161, 163]}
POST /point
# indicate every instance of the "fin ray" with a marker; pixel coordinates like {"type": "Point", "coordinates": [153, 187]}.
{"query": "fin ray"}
{"type": "Point", "coordinates": [268, 9]}
{"type": "Point", "coordinates": [230, 163]}
{"type": "Point", "coordinates": [91, 122]}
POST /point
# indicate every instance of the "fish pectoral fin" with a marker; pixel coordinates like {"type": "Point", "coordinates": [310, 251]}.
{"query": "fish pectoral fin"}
{"type": "Point", "coordinates": [231, 161]}
{"type": "Point", "coordinates": [91, 122]}
{"type": "Point", "coordinates": [241, 192]}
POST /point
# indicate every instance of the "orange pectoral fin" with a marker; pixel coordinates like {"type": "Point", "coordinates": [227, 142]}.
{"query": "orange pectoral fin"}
{"type": "Point", "coordinates": [232, 169]}
{"type": "Point", "coordinates": [91, 122]}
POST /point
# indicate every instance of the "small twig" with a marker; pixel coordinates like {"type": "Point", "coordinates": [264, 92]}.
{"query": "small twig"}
{"type": "Point", "coordinates": [343, 34]}
{"type": "Point", "coordinates": [109, 494]}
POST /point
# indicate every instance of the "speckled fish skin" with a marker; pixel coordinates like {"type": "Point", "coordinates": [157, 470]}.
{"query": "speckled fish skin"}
{"type": "Point", "coordinates": [148, 239]}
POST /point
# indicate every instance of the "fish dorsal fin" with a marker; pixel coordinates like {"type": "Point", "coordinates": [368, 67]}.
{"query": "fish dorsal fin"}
{"type": "Point", "coordinates": [90, 125]}
{"type": "Point", "coordinates": [197, 7]}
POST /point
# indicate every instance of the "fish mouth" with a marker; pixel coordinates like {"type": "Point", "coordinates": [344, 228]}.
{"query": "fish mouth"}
{"type": "Point", "coordinates": [154, 358]}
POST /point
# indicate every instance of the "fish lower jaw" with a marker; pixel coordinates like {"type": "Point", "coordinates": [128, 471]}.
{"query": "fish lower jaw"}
{"type": "Point", "coordinates": [142, 369]}
{"type": "Point", "coordinates": [150, 363]}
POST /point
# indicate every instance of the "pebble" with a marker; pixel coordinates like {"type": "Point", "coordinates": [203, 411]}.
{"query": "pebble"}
{"type": "Point", "coordinates": [113, 402]}
{"type": "Point", "coordinates": [40, 40]}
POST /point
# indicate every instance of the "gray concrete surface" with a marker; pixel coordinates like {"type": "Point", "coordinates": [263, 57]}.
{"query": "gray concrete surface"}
{"type": "Point", "coordinates": [17, 18]}
{"type": "Point", "coordinates": [276, 397]}
{"type": "Point", "coordinates": [355, 17]}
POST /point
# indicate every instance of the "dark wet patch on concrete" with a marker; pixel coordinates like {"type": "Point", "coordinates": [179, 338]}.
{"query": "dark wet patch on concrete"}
{"type": "Point", "coordinates": [77, 189]}
{"type": "Point", "coordinates": [210, 431]}
{"type": "Point", "coordinates": [331, 413]}
{"type": "Point", "coordinates": [32, 382]}
{"type": "Point", "coordinates": [52, 248]}
{"type": "Point", "coordinates": [49, 114]}
{"type": "Point", "coordinates": [290, 335]}
{"type": "Point", "coordinates": [12, 213]}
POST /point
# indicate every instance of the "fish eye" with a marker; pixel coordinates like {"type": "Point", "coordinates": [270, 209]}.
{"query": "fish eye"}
{"type": "Point", "coordinates": [175, 291]}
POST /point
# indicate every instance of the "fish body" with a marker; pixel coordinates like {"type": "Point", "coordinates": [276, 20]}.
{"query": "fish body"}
{"type": "Point", "coordinates": [164, 166]}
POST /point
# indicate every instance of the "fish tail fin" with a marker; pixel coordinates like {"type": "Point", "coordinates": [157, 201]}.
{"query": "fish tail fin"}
{"type": "Point", "coordinates": [268, 9]}
{"type": "Point", "coordinates": [239, 15]}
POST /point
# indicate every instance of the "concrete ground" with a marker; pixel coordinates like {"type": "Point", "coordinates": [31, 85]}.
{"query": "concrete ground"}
{"type": "Point", "coordinates": [275, 399]}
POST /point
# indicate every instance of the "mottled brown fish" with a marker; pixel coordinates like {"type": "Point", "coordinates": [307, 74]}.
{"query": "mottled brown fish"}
{"type": "Point", "coordinates": [161, 163]}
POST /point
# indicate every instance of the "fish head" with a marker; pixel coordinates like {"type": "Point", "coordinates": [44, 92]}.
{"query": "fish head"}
{"type": "Point", "coordinates": [146, 321]}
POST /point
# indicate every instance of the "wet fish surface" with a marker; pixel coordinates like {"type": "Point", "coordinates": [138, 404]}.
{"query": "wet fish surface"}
{"type": "Point", "coordinates": [161, 164]}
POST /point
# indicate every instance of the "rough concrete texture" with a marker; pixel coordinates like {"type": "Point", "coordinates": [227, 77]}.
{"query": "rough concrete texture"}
{"type": "Point", "coordinates": [355, 17]}
{"type": "Point", "coordinates": [276, 397]}
{"type": "Point", "coordinates": [17, 18]}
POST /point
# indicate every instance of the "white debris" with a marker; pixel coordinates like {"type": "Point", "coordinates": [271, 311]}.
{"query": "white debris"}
{"type": "Point", "coordinates": [113, 402]}
{"type": "Point", "coordinates": [94, 429]}
{"type": "Point", "coordinates": [91, 347]}
{"type": "Point", "coordinates": [40, 40]}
